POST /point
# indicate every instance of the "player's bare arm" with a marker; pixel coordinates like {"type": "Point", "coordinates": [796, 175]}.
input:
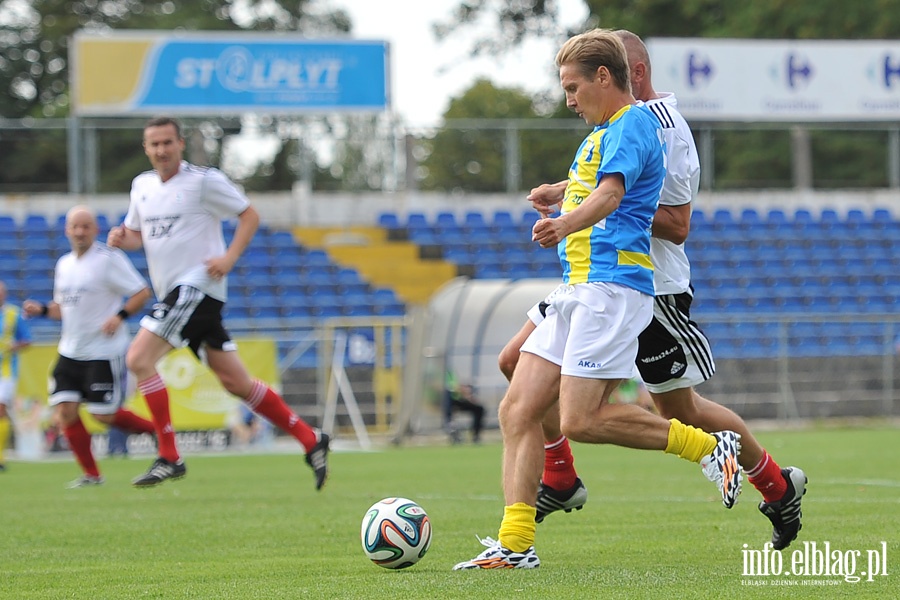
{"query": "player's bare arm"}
{"type": "Point", "coordinates": [672, 223]}
{"type": "Point", "coordinates": [248, 223]}
{"type": "Point", "coordinates": [597, 206]}
{"type": "Point", "coordinates": [547, 196]}
{"type": "Point", "coordinates": [132, 305]}
{"type": "Point", "coordinates": [124, 238]}
{"type": "Point", "coordinates": [33, 308]}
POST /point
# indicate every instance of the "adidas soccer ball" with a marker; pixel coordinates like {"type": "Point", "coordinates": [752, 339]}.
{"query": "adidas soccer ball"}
{"type": "Point", "coordinates": [396, 533]}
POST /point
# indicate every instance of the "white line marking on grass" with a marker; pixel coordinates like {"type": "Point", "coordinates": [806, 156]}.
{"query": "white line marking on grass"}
{"type": "Point", "coordinates": [864, 482]}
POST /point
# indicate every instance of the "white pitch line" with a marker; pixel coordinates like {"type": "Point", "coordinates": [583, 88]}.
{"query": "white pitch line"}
{"type": "Point", "coordinates": [872, 482]}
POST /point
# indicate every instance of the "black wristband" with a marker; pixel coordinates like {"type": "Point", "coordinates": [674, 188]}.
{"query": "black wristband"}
{"type": "Point", "coordinates": [44, 310]}
{"type": "Point", "coordinates": [123, 314]}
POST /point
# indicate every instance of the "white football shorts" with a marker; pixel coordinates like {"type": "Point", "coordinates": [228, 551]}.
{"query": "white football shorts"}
{"type": "Point", "coordinates": [591, 329]}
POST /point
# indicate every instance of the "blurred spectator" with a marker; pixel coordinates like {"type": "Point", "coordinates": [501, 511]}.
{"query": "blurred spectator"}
{"type": "Point", "coordinates": [461, 398]}
{"type": "Point", "coordinates": [15, 336]}
{"type": "Point", "coordinates": [248, 428]}
{"type": "Point", "coordinates": [118, 442]}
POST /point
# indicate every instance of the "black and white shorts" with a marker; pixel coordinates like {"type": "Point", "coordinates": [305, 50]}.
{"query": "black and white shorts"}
{"type": "Point", "coordinates": [673, 352]}
{"type": "Point", "coordinates": [188, 317]}
{"type": "Point", "coordinates": [102, 385]}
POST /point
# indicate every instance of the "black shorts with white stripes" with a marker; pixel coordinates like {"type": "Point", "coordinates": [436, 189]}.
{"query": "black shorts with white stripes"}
{"type": "Point", "coordinates": [673, 352]}
{"type": "Point", "coordinates": [188, 317]}
{"type": "Point", "coordinates": [95, 381]}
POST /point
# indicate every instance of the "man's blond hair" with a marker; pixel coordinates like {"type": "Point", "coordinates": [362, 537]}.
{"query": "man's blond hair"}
{"type": "Point", "coordinates": [594, 49]}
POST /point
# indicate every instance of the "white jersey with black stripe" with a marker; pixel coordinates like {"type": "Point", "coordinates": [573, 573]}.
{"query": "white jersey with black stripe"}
{"type": "Point", "coordinates": [672, 270]}
{"type": "Point", "coordinates": [89, 290]}
{"type": "Point", "coordinates": [180, 221]}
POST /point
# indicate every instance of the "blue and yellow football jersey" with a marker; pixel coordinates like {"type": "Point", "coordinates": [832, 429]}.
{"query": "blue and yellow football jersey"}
{"type": "Point", "coordinates": [617, 249]}
{"type": "Point", "coordinates": [13, 328]}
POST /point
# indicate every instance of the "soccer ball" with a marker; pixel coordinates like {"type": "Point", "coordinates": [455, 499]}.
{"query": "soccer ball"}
{"type": "Point", "coordinates": [396, 533]}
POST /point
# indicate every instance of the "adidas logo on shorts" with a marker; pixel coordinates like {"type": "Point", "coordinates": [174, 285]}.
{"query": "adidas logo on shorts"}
{"type": "Point", "coordinates": [676, 366]}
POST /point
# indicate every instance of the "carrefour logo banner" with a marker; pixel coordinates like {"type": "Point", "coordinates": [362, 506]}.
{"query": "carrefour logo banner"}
{"type": "Point", "coordinates": [204, 73]}
{"type": "Point", "coordinates": [779, 80]}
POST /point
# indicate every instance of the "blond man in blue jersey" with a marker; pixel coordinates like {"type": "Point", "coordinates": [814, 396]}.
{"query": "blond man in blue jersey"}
{"type": "Point", "coordinates": [15, 336]}
{"type": "Point", "coordinates": [588, 341]}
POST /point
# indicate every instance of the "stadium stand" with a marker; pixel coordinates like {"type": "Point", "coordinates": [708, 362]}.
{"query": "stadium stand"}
{"type": "Point", "coordinates": [750, 264]}
{"type": "Point", "coordinates": [277, 279]}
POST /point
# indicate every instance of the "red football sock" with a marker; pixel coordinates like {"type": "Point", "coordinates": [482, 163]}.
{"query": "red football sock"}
{"type": "Point", "coordinates": [80, 444]}
{"type": "Point", "coordinates": [559, 465]}
{"type": "Point", "coordinates": [766, 477]}
{"type": "Point", "coordinates": [264, 401]}
{"type": "Point", "coordinates": [129, 422]}
{"type": "Point", "coordinates": [157, 397]}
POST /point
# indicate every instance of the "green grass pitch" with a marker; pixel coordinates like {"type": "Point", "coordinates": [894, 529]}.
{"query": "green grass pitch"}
{"type": "Point", "coordinates": [252, 526]}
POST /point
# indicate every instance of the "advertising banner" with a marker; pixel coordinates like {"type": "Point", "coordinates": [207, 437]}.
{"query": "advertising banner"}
{"type": "Point", "coordinates": [150, 73]}
{"type": "Point", "coordinates": [779, 80]}
{"type": "Point", "coordinates": [197, 399]}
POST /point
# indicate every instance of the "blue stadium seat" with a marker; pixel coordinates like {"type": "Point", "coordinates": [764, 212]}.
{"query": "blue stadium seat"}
{"type": "Point", "coordinates": [358, 310]}
{"type": "Point", "coordinates": [282, 240]}
{"type": "Point", "coordinates": [856, 217]}
{"type": "Point", "coordinates": [296, 311]}
{"type": "Point", "coordinates": [829, 218]}
{"type": "Point", "coordinates": [448, 233]}
{"type": "Point", "coordinates": [32, 243]}
{"type": "Point", "coordinates": [882, 220]}
{"type": "Point", "coordinates": [254, 279]}
{"type": "Point", "coordinates": [255, 262]}
{"type": "Point", "coordinates": [802, 218]}
{"type": "Point", "coordinates": [235, 311]}
{"type": "Point", "coordinates": [424, 237]}
{"type": "Point", "coordinates": [358, 304]}
{"type": "Point", "coordinates": [722, 217]}
{"type": "Point", "coordinates": [265, 311]}
{"type": "Point", "coordinates": [698, 219]}
{"type": "Point", "coordinates": [459, 254]}
{"type": "Point", "coordinates": [416, 221]}
{"type": "Point", "coordinates": [8, 225]}
{"type": "Point", "coordinates": [384, 296]}
{"type": "Point", "coordinates": [394, 309]}
{"type": "Point", "coordinates": [35, 224]}
{"type": "Point", "coordinates": [315, 259]}
{"type": "Point", "coordinates": [476, 225]}
{"type": "Point", "coordinates": [325, 312]}
{"type": "Point", "coordinates": [445, 219]}
{"type": "Point", "coordinates": [503, 219]}
{"type": "Point", "coordinates": [389, 221]}
{"type": "Point", "coordinates": [750, 218]}
{"type": "Point", "coordinates": [777, 219]}
{"type": "Point", "coordinates": [257, 249]}
{"type": "Point", "coordinates": [529, 217]}
{"type": "Point", "coordinates": [348, 276]}
{"type": "Point", "coordinates": [319, 281]}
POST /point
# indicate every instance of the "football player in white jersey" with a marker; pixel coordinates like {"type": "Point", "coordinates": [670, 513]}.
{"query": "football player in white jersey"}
{"type": "Point", "coordinates": [674, 354]}
{"type": "Point", "coordinates": [176, 214]}
{"type": "Point", "coordinates": [88, 290]}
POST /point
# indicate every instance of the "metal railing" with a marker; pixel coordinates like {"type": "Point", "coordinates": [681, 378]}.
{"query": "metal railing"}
{"type": "Point", "coordinates": [74, 151]}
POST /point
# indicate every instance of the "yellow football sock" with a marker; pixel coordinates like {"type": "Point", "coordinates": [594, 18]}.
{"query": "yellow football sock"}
{"type": "Point", "coordinates": [689, 442]}
{"type": "Point", "coordinates": [4, 435]}
{"type": "Point", "coordinates": [518, 526]}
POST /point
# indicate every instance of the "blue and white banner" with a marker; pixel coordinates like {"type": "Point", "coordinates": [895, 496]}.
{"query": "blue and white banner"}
{"type": "Point", "coordinates": [779, 80]}
{"type": "Point", "coordinates": [152, 73]}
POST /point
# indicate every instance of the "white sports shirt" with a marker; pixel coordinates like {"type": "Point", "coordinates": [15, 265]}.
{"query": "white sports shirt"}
{"type": "Point", "coordinates": [671, 268]}
{"type": "Point", "coordinates": [89, 290]}
{"type": "Point", "coordinates": [181, 225]}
